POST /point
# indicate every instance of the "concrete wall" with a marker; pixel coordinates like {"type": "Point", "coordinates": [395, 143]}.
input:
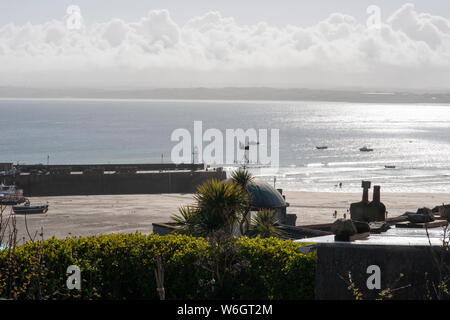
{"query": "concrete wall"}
{"type": "Point", "coordinates": [126, 183]}
{"type": "Point", "coordinates": [414, 262]}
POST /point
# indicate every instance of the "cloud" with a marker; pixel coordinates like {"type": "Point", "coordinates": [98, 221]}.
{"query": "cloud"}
{"type": "Point", "coordinates": [410, 50]}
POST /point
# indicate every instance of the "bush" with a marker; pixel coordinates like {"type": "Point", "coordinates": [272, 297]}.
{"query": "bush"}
{"type": "Point", "coordinates": [121, 266]}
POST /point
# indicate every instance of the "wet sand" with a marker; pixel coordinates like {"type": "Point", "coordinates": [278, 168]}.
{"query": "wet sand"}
{"type": "Point", "coordinates": [90, 215]}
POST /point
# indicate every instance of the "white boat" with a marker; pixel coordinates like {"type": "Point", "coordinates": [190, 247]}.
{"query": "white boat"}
{"type": "Point", "coordinates": [9, 195]}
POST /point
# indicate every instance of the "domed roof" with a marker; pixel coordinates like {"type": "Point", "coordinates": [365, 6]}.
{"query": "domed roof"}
{"type": "Point", "coordinates": [263, 195]}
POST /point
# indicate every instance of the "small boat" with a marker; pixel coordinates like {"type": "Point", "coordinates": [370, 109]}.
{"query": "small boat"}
{"type": "Point", "coordinates": [27, 209]}
{"type": "Point", "coordinates": [321, 147]}
{"type": "Point", "coordinates": [365, 149]}
{"type": "Point", "coordinates": [9, 195]}
{"type": "Point", "coordinates": [389, 167]}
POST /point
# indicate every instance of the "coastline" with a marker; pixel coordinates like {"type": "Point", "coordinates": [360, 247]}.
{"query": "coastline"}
{"type": "Point", "coordinates": [105, 214]}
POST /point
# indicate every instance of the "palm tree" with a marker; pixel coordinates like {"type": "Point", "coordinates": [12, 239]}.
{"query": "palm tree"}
{"type": "Point", "coordinates": [265, 224]}
{"type": "Point", "coordinates": [188, 221]}
{"type": "Point", "coordinates": [219, 206]}
{"type": "Point", "coordinates": [223, 206]}
{"type": "Point", "coordinates": [242, 177]}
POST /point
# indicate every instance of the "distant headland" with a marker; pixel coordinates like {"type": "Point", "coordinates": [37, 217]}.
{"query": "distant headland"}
{"type": "Point", "coordinates": [232, 93]}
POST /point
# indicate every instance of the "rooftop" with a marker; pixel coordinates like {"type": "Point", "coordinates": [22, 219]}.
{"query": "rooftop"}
{"type": "Point", "coordinates": [263, 195]}
{"type": "Point", "coordinates": [394, 236]}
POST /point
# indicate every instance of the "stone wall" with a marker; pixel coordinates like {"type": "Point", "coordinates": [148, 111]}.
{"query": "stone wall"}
{"type": "Point", "coordinates": [120, 183]}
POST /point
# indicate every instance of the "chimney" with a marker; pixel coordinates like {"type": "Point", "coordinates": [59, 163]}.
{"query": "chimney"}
{"type": "Point", "coordinates": [366, 186]}
{"type": "Point", "coordinates": [376, 194]}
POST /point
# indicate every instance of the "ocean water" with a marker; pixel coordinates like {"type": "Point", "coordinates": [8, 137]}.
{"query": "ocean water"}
{"type": "Point", "coordinates": [414, 138]}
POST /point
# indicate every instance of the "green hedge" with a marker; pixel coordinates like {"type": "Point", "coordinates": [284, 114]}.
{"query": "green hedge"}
{"type": "Point", "coordinates": [121, 266]}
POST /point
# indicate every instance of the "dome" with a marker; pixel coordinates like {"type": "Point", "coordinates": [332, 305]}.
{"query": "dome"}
{"type": "Point", "coordinates": [263, 195]}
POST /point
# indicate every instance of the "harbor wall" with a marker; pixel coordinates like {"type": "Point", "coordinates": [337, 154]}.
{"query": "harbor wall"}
{"type": "Point", "coordinates": [98, 183]}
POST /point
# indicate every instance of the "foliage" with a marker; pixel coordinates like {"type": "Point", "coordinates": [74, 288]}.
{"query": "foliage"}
{"type": "Point", "coordinates": [265, 224]}
{"type": "Point", "coordinates": [224, 264]}
{"type": "Point", "coordinates": [241, 177]}
{"type": "Point", "coordinates": [278, 270]}
{"type": "Point", "coordinates": [225, 206]}
{"type": "Point", "coordinates": [188, 221]}
{"type": "Point", "coordinates": [219, 206]}
{"type": "Point", "coordinates": [121, 266]}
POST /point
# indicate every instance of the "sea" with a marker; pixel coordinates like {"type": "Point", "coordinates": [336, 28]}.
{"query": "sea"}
{"type": "Point", "coordinates": [412, 140]}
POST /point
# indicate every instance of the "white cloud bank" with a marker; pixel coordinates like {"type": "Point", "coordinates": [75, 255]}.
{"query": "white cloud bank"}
{"type": "Point", "coordinates": [411, 50]}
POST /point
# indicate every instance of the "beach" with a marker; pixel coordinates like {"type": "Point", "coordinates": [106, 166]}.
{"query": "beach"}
{"type": "Point", "coordinates": [106, 214]}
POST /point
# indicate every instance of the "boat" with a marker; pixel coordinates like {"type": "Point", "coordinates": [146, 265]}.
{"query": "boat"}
{"type": "Point", "coordinates": [389, 167]}
{"type": "Point", "coordinates": [365, 149]}
{"type": "Point", "coordinates": [321, 147]}
{"type": "Point", "coordinates": [9, 195]}
{"type": "Point", "coordinates": [27, 209]}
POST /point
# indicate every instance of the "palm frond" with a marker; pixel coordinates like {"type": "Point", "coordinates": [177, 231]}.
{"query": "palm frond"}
{"type": "Point", "coordinates": [221, 204]}
{"type": "Point", "coordinates": [242, 177]}
{"type": "Point", "coordinates": [265, 224]}
{"type": "Point", "coordinates": [188, 221]}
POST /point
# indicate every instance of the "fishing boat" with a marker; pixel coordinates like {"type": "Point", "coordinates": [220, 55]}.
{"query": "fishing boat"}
{"type": "Point", "coordinates": [365, 149]}
{"type": "Point", "coordinates": [389, 167]}
{"type": "Point", "coordinates": [321, 147]}
{"type": "Point", "coordinates": [9, 195]}
{"type": "Point", "coordinates": [28, 209]}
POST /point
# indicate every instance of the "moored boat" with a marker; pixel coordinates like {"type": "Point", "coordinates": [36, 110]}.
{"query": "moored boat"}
{"type": "Point", "coordinates": [9, 195]}
{"type": "Point", "coordinates": [27, 209]}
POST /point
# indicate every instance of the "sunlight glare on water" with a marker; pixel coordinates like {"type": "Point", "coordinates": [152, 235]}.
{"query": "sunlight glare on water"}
{"type": "Point", "coordinates": [413, 138]}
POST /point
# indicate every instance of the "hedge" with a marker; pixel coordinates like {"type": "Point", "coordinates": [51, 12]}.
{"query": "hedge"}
{"type": "Point", "coordinates": [121, 266]}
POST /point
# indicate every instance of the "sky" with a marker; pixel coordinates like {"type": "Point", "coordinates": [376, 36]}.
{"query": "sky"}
{"type": "Point", "coordinates": [210, 43]}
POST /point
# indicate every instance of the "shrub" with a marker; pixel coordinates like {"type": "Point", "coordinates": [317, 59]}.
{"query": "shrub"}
{"type": "Point", "coordinates": [121, 266]}
{"type": "Point", "coordinates": [219, 206]}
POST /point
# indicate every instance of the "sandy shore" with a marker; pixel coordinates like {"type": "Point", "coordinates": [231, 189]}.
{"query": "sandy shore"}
{"type": "Point", "coordinates": [89, 215]}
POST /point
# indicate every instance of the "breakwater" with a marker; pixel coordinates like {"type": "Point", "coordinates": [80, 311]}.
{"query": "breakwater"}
{"type": "Point", "coordinates": [98, 179]}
